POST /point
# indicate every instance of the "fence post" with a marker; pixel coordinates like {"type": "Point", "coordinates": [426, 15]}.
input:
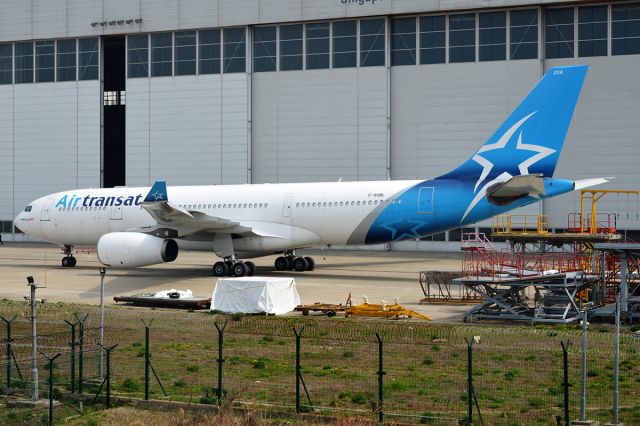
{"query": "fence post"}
{"type": "Point", "coordinates": [107, 378]}
{"type": "Point", "coordinates": [147, 357]}
{"type": "Point", "coordinates": [51, 359]}
{"type": "Point", "coordinates": [299, 378]}
{"type": "Point", "coordinates": [147, 361]}
{"type": "Point", "coordinates": [565, 361]}
{"type": "Point", "coordinates": [72, 344]}
{"type": "Point", "coordinates": [471, 393]}
{"type": "Point", "coordinates": [220, 360]}
{"type": "Point", "coordinates": [80, 323]}
{"type": "Point", "coordinates": [298, 368]}
{"type": "Point", "coordinates": [583, 393]}
{"type": "Point", "coordinates": [616, 353]}
{"type": "Point", "coordinates": [469, 380]}
{"type": "Point", "coordinates": [9, 348]}
{"type": "Point", "coordinates": [381, 374]}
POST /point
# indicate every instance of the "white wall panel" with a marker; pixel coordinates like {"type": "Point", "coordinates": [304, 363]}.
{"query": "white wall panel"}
{"type": "Point", "coordinates": [306, 125]}
{"type": "Point", "coordinates": [603, 139]}
{"type": "Point", "coordinates": [280, 10]}
{"type": "Point", "coordinates": [80, 15]}
{"type": "Point", "coordinates": [49, 18]}
{"type": "Point", "coordinates": [118, 9]}
{"type": "Point", "coordinates": [441, 114]}
{"type": "Point", "coordinates": [158, 15]}
{"type": "Point", "coordinates": [239, 12]}
{"type": "Point", "coordinates": [187, 130]}
{"type": "Point", "coordinates": [15, 20]}
{"type": "Point", "coordinates": [88, 133]}
{"type": "Point", "coordinates": [51, 153]}
{"type": "Point", "coordinates": [198, 13]}
{"type": "Point", "coordinates": [7, 209]}
{"type": "Point", "coordinates": [137, 148]}
{"type": "Point", "coordinates": [234, 123]}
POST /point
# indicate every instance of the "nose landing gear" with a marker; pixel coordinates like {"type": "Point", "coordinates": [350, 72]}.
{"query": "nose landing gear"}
{"type": "Point", "coordinates": [68, 261]}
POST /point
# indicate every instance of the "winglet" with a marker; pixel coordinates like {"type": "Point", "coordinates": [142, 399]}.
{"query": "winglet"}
{"type": "Point", "coordinates": [157, 193]}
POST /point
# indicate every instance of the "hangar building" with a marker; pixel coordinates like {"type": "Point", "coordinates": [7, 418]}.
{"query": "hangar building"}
{"type": "Point", "coordinates": [123, 92]}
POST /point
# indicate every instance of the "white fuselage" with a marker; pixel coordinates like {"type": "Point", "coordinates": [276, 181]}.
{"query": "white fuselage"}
{"type": "Point", "coordinates": [310, 214]}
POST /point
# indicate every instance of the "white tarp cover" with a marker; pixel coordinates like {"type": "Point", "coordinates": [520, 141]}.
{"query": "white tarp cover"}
{"type": "Point", "coordinates": [182, 294]}
{"type": "Point", "coordinates": [253, 295]}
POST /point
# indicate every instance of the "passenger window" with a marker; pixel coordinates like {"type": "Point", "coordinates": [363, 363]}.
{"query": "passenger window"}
{"type": "Point", "coordinates": [330, 204]}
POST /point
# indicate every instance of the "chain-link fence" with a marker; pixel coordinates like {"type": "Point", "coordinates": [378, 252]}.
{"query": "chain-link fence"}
{"type": "Point", "coordinates": [517, 372]}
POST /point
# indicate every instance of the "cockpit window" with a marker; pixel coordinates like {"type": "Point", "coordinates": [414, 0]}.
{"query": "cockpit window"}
{"type": "Point", "coordinates": [27, 209]}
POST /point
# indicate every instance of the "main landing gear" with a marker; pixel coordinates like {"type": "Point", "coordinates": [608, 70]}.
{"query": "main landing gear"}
{"type": "Point", "coordinates": [68, 261]}
{"type": "Point", "coordinates": [291, 262]}
{"type": "Point", "coordinates": [234, 268]}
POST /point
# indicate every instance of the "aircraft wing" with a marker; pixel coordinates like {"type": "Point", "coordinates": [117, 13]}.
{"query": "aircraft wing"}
{"type": "Point", "coordinates": [185, 222]}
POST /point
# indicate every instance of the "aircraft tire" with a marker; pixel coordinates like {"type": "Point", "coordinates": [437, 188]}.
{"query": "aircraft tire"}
{"type": "Point", "coordinates": [311, 263]}
{"type": "Point", "coordinates": [300, 264]}
{"type": "Point", "coordinates": [251, 268]}
{"type": "Point", "coordinates": [220, 269]}
{"type": "Point", "coordinates": [65, 262]}
{"type": "Point", "coordinates": [281, 263]}
{"type": "Point", "coordinates": [72, 261]}
{"type": "Point", "coordinates": [239, 269]}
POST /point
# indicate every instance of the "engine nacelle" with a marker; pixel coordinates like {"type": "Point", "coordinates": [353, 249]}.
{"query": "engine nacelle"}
{"type": "Point", "coordinates": [133, 249]}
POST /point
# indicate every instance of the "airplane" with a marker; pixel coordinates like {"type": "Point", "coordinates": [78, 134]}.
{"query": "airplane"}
{"type": "Point", "coordinates": [133, 227]}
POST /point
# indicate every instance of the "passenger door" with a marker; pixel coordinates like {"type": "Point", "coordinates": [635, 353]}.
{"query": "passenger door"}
{"type": "Point", "coordinates": [45, 215]}
{"type": "Point", "coordinates": [425, 200]}
{"type": "Point", "coordinates": [286, 207]}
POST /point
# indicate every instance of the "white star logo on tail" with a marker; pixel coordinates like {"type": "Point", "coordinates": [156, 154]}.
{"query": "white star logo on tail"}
{"type": "Point", "coordinates": [487, 166]}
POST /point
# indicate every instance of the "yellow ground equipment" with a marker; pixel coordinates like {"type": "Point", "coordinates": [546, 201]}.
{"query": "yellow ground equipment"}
{"type": "Point", "coordinates": [382, 311]}
{"type": "Point", "coordinates": [364, 310]}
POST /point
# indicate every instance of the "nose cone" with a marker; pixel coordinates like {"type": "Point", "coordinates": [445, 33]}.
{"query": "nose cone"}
{"type": "Point", "coordinates": [22, 223]}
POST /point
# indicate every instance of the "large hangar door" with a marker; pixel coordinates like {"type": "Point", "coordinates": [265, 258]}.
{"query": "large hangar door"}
{"type": "Point", "coordinates": [113, 146]}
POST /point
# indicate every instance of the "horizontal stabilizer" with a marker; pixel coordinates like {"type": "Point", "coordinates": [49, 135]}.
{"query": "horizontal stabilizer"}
{"type": "Point", "coordinates": [504, 193]}
{"type": "Point", "coordinates": [586, 183]}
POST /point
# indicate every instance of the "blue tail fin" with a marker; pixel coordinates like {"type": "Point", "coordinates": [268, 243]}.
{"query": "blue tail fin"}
{"type": "Point", "coordinates": [530, 140]}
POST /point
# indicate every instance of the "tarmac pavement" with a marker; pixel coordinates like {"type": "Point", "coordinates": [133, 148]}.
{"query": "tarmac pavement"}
{"type": "Point", "coordinates": [378, 275]}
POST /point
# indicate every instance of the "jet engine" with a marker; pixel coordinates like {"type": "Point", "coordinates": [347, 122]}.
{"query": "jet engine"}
{"type": "Point", "coordinates": [133, 249]}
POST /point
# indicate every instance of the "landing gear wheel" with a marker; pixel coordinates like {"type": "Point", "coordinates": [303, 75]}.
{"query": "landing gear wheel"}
{"type": "Point", "coordinates": [251, 268]}
{"type": "Point", "coordinates": [281, 263]}
{"type": "Point", "coordinates": [239, 269]}
{"type": "Point", "coordinates": [220, 269]}
{"type": "Point", "coordinates": [72, 261]}
{"type": "Point", "coordinates": [300, 264]}
{"type": "Point", "coordinates": [65, 262]}
{"type": "Point", "coordinates": [311, 263]}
